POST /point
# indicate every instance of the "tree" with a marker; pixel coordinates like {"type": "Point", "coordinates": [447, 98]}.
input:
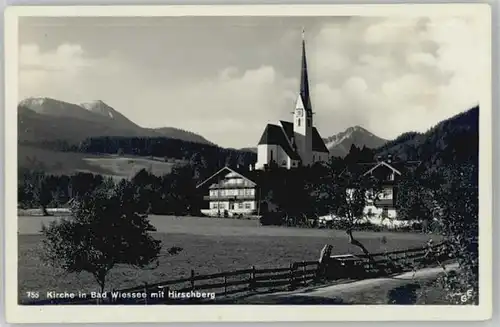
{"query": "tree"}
{"type": "Point", "coordinates": [108, 227]}
{"type": "Point", "coordinates": [351, 194]}
{"type": "Point", "coordinates": [455, 205]}
{"type": "Point", "coordinates": [39, 184]}
{"type": "Point", "coordinates": [413, 197]}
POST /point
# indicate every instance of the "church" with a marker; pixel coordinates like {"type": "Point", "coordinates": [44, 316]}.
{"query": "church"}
{"type": "Point", "coordinates": [297, 143]}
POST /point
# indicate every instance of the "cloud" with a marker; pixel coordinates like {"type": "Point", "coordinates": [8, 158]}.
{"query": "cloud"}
{"type": "Point", "coordinates": [65, 73]}
{"type": "Point", "coordinates": [396, 75]}
{"type": "Point", "coordinates": [388, 75]}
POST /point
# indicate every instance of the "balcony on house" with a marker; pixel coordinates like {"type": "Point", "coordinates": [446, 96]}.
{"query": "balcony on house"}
{"type": "Point", "coordinates": [218, 194]}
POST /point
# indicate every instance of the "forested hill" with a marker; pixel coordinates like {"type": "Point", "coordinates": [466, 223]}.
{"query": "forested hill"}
{"type": "Point", "coordinates": [453, 140]}
{"type": "Point", "coordinates": [205, 155]}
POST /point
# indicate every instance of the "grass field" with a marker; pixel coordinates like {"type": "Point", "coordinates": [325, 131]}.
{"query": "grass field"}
{"type": "Point", "coordinates": [56, 162]}
{"type": "Point", "coordinates": [210, 245]}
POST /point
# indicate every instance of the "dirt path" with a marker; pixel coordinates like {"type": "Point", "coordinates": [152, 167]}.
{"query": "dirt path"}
{"type": "Point", "coordinates": [368, 291]}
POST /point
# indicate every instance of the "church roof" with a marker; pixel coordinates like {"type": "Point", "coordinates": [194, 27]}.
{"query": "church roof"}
{"type": "Point", "coordinates": [318, 145]}
{"type": "Point", "coordinates": [304, 79]}
{"type": "Point", "coordinates": [283, 135]}
{"type": "Point", "coordinates": [274, 134]}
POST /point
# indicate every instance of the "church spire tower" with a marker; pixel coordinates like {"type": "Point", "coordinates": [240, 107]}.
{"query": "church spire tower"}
{"type": "Point", "coordinates": [304, 78]}
{"type": "Point", "coordinates": [303, 115]}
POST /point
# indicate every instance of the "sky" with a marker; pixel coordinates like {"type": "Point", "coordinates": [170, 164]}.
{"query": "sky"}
{"type": "Point", "coordinates": [225, 78]}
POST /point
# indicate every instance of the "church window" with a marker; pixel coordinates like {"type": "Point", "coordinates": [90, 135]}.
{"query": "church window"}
{"type": "Point", "coordinates": [272, 155]}
{"type": "Point", "coordinates": [308, 122]}
{"type": "Point", "coordinates": [298, 122]}
{"type": "Point", "coordinates": [314, 158]}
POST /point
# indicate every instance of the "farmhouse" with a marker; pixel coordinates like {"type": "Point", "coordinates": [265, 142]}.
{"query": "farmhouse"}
{"type": "Point", "coordinates": [385, 204]}
{"type": "Point", "coordinates": [291, 144]}
{"type": "Point", "coordinates": [230, 193]}
{"type": "Point", "coordinates": [389, 173]}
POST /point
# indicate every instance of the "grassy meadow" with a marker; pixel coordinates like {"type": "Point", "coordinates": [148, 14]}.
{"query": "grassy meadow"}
{"type": "Point", "coordinates": [210, 245]}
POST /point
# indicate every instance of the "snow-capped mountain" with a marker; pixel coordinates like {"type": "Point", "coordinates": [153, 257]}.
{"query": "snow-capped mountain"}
{"type": "Point", "coordinates": [42, 118]}
{"type": "Point", "coordinates": [101, 108]}
{"type": "Point", "coordinates": [53, 107]}
{"type": "Point", "coordinates": [340, 144]}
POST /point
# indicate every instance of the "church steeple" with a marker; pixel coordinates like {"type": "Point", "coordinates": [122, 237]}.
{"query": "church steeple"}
{"type": "Point", "coordinates": [303, 115]}
{"type": "Point", "coordinates": [304, 79]}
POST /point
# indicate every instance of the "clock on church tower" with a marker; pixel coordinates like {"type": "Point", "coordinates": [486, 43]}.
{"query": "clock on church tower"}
{"type": "Point", "coordinates": [300, 112]}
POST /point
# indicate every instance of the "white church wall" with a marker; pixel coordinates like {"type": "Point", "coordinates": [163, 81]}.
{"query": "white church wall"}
{"type": "Point", "coordinates": [268, 152]}
{"type": "Point", "coordinates": [262, 151]}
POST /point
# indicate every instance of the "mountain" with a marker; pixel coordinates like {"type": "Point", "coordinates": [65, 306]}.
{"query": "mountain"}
{"type": "Point", "coordinates": [100, 108]}
{"type": "Point", "coordinates": [56, 108]}
{"type": "Point", "coordinates": [47, 119]}
{"type": "Point", "coordinates": [35, 128]}
{"type": "Point", "coordinates": [340, 144]}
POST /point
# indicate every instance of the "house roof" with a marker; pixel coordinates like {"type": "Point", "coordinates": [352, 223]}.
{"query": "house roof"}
{"type": "Point", "coordinates": [382, 164]}
{"type": "Point", "coordinates": [226, 170]}
{"type": "Point", "coordinates": [367, 168]}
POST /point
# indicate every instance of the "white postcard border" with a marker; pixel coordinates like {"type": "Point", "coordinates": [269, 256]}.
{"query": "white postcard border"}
{"type": "Point", "coordinates": [241, 313]}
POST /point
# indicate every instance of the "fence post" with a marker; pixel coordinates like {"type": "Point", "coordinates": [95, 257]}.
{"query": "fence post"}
{"type": "Point", "coordinates": [293, 269]}
{"type": "Point", "coordinates": [252, 279]}
{"type": "Point", "coordinates": [192, 279]}
{"type": "Point", "coordinates": [146, 292]}
{"type": "Point", "coordinates": [225, 285]}
{"type": "Point", "coordinates": [304, 280]}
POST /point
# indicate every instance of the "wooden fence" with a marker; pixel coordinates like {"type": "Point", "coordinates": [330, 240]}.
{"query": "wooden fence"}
{"type": "Point", "coordinates": [383, 263]}
{"type": "Point", "coordinates": [250, 281]}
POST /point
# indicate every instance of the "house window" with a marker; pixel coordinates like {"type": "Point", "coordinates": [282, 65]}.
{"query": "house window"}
{"type": "Point", "coordinates": [214, 205]}
{"type": "Point", "coordinates": [314, 158]}
{"type": "Point", "coordinates": [283, 163]}
{"type": "Point", "coordinates": [221, 205]}
{"type": "Point", "coordinates": [385, 212]}
{"type": "Point", "coordinates": [240, 205]}
{"type": "Point", "coordinates": [241, 192]}
{"type": "Point", "coordinates": [387, 193]}
{"type": "Point", "coordinates": [247, 205]}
